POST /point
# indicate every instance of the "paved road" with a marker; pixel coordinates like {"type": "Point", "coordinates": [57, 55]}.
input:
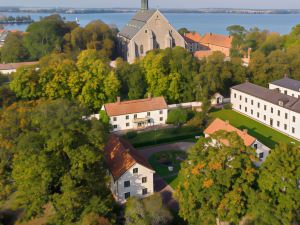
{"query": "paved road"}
{"type": "Point", "coordinates": [160, 185]}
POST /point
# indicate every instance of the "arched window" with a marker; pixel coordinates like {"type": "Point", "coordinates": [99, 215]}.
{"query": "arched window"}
{"type": "Point", "coordinates": [142, 49]}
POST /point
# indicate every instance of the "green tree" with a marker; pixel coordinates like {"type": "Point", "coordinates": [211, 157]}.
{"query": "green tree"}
{"type": "Point", "coordinates": [292, 39]}
{"type": "Point", "coordinates": [183, 31]}
{"type": "Point", "coordinates": [278, 199]}
{"type": "Point", "coordinates": [59, 160]}
{"type": "Point", "coordinates": [217, 181]}
{"type": "Point", "coordinates": [135, 213]}
{"type": "Point", "coordinates": [177, 116]}
{"type": "Point", "coordinates": [111, 87]}
{"type": "Point", "coordinates": [13, 49]}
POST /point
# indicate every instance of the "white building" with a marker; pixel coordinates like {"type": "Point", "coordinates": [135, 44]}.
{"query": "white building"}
{"type": "Point", "coordinates": [137, 114]}
{"type": "Point", "coordinates": [9, 68]}
{"type": "Point", "coordinates": [270, 107]}
{"type": "Point", "coordinates": [262, 151]}
{"type": "Point", "coordinates": [217, 99]}
{"type": "Point", "coordinates": [287, 86]}
{"type": "Point", "coordinates": [131, 175]}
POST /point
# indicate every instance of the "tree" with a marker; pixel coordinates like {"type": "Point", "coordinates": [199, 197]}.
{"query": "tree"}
{"type": "Point", "coordinates": [292, 39]}
{"type": "Point", "coordinates": [278, 197]}
{"type": "Point", "coordinates": [238, 33]}
{"type": "Point", "coordinates": [13, 49]}
{"type": "Point", "coordinates": [217, 180]}
{"type": "Point", "coordinates": [147, 211]}
{"type": "Point", "coordinates": [59, 160]}
{"type": "Point", "coordinates": [177, 116]}
{"type": "Point", "coordinates": [183, 31]}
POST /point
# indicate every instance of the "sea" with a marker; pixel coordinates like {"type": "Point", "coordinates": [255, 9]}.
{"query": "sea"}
{"type": "Point", "coordinates": [200, 22]}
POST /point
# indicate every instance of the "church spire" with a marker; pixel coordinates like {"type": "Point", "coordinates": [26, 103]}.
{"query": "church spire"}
{"type": "Point", "coordinates": [144, 5]}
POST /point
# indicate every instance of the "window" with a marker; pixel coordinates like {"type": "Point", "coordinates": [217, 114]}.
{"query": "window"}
{"type": "Point", "coordinates": [115, 126]}
{"type": "Point", "coordinates": [127, 183]}
{"type": "Point", "coordinates": [115, 118]}
{"type": "Point", "coordinates": [245, 109]}
{"type": "Point", "coordinates": [271, 110]}
{"type": "Point", "coordinates": [135, 170]}
{"type": "Point", "coordinates": [261, 155]}
{"type": "Point", "coordinates": [127, 195]}
{"type": "Point", "coordinates": [285, 126]}
{"type": "Point", "coordinates": [161, 119]}
{"type": "Point", "coordinates": [240, 97]}
{"type": "Point", "coordinates": [255, 146]}
{"type": "Point", "coordinates": [258, 105]}
{"type": "Point", "coordinates": [127, 117]}
{"type": "Point", "coordinates": [160, 112]}
{"type": "Point", "coordinates": [278, 124]}
{"type": "Point", "coordinates": [127, 124]}
{"type": "Point", "coordinates": [251, 102]}
{"type": "Point", "coordinates": [146, 31]}
{"type": "Point", "coordinates": [286, 115]}
{"type": "Point", "coordinates": [285, 92]}
{"type": "Point", "coordinates": [293, 130]}
{"type": "Point", "coordinates": [144, 180]}
{"type": "Point", "coordinates": [142, 49]}
{"type": "Point", "coordinates": [251, 111]}
{"type": "Point", "coordinates": [240, 107]}
{"type": "Point", "coordinates": [145, 191]}
{"type": "Point", "coordinates": [148, 113]}
{"type": "Point", "coordinates": [234, 95]}
{"type": "Point", "coordinates": [265, 107]}
{"type": "Point", "coordinates": [265, 118]}
{"type": "Point", "coordinates": [257, 115]}
{"type": "Point", "coordinates": [278, 112]}
{"type": "Point", "coordinates": [246, 100]}
{"type": "Point", "coordinates": [294, 119]}
{"type": "Point", "coordinates": [135, 116]}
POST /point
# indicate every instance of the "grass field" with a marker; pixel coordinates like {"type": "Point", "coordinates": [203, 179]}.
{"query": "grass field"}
{"type": "Point", "coordinates": [154, 137]}
{"type": "Point", "coordinates": [266, 135]}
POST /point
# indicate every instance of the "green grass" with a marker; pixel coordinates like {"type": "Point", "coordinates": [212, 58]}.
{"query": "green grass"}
{"type": "Point", "coordinates": [170, 177]}
{"type": "Point", "coordinates": [266, 135]}
{"type": "Point", "coordinates": [153, 137]}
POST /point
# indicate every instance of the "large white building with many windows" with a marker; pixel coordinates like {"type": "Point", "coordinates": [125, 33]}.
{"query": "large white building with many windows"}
{"type": "Point", "coordinates": [270, 107]}
{"type": "Point", "coordinates": [137, 114]}
{"type": "Point", "coordinates": [131, 175]}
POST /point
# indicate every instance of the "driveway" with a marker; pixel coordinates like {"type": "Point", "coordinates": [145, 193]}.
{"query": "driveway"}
{"type": "Point", "coordinates": [166, 191]}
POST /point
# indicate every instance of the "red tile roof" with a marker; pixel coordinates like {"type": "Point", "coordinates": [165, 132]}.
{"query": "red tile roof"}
{"type": "Point", "coordinates": [218, 125]}
{"type": "Point", "coordinates": [217, 39]}
{"type": "Point", "coordinates": [120, 156]}
{"type": "Point", "coordinates": [11, 66]}
{"type": "Point", "coordinates": [203, 54]}
{"type": "Point", "coordinates": [135, 106]}
{"type": "Point", "coordinates": [193, 36]}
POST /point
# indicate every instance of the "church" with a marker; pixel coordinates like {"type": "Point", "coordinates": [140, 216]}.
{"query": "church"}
{"type": "Point", "coordinates": [147, 30]}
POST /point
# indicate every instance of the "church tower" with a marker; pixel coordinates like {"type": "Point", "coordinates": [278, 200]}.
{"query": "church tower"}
{"type": "Point", "coordinates": [145, 5]}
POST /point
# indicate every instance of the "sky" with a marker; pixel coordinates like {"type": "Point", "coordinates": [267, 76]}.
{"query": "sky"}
{"type": "Point", "coordinates": [253, 4]}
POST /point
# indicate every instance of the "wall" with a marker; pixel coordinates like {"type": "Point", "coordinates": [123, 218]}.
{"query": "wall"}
{"type": "Point", "coordinates": [285, 91]}
{"type": "Point", "coordinates": [265, 116]}
{"type": "Point", "coordinates": [136, 185]}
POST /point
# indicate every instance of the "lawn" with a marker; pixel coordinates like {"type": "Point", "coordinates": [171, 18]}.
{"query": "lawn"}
{"type": "Point", "coordinates": [266, 135]}
{"type": "Point", "coordinates": [154, 137]}
{"type": "Point", "coordinates": [160, 162]}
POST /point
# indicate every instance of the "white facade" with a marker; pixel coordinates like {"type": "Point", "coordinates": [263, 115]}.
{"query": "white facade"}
{"type": "Point", "coordinates": [270, 114]}
{"type": "Point", "coordinates": [217, 99]}
{"type": "Point", "coordinates": [285, 91]}
{"type": "Point", "coordinates": [138, 120]}
{"type": "Point", "coordinates": [136, 182]}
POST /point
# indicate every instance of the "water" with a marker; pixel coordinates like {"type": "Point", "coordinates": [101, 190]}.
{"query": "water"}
{"type": "Point", "coordinates": [202, 23]}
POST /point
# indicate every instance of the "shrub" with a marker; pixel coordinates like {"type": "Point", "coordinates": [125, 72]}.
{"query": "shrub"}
{"type": "Point", "coordinates": [177, 117]}
{"type": "Point", "coordinates": [131, 134]}
{"type": "Point", "coordinates": [227, 106]}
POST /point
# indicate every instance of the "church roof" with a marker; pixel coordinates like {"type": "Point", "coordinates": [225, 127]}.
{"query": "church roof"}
{"type": "Point", "coordinates": [136, 23]}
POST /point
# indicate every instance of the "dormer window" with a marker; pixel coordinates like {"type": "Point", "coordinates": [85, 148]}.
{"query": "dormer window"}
{"type": "Point", "coordinates": [281, 103]}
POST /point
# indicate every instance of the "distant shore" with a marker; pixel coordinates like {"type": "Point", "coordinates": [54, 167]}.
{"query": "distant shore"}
{"type": "Point", "coordinates": [126, 10]}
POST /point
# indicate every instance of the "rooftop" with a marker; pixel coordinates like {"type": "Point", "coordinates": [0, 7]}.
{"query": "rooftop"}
{"type": "Point", "coordinates": [272, 96]}
{"type": "Point", "coordinates": [288, 83]}
{"type": "Point", "coordinates": [120, 156]}
{"type": "Point", "coordinates": [218, 125]}
{"type": "Point", "coordinates": [217, 39]}
{"type": "Point", "coordinates": [135, 106]}
{"type": "Point", "coordinates": [193, 37]}
{"type": "Point", "coordinates": [136, 23]}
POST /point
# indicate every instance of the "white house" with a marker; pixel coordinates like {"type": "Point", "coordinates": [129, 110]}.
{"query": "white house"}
{"type": "Point", "coordinates": [130, 173]}
{"type": "Point", "coordinates": [9, 68]}
{"type": "Point", "coordinates": [262, 151]}
{"type": "Point", "coordinates": [137, 114]}
{"type": "Point", "coordinates": [217, 99]}
{"type": "Point", "coordinates": [287, 86]}
{"type": "Point", "coordinates": [270, 107]}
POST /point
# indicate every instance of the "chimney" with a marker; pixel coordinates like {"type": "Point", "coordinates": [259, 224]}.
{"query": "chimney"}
{"type": "Point", "coordinates": [227, 122]}
{"type": "Point", "coordinates": [144, 5]}
{"type": "Point", "coordinates": [149, 96]}
{"type": "Point", "coordinates": [118, 99]}
{"type": "Point", "coordinates": [245, 131]}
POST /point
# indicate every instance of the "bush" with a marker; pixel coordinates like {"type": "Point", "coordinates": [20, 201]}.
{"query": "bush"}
{"type": "Point", "coordinates": [131, 134]}
{"type": "Point", "coordinates": [177, 117]}
{"type": "Point", "coordinates": [227, 106]}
